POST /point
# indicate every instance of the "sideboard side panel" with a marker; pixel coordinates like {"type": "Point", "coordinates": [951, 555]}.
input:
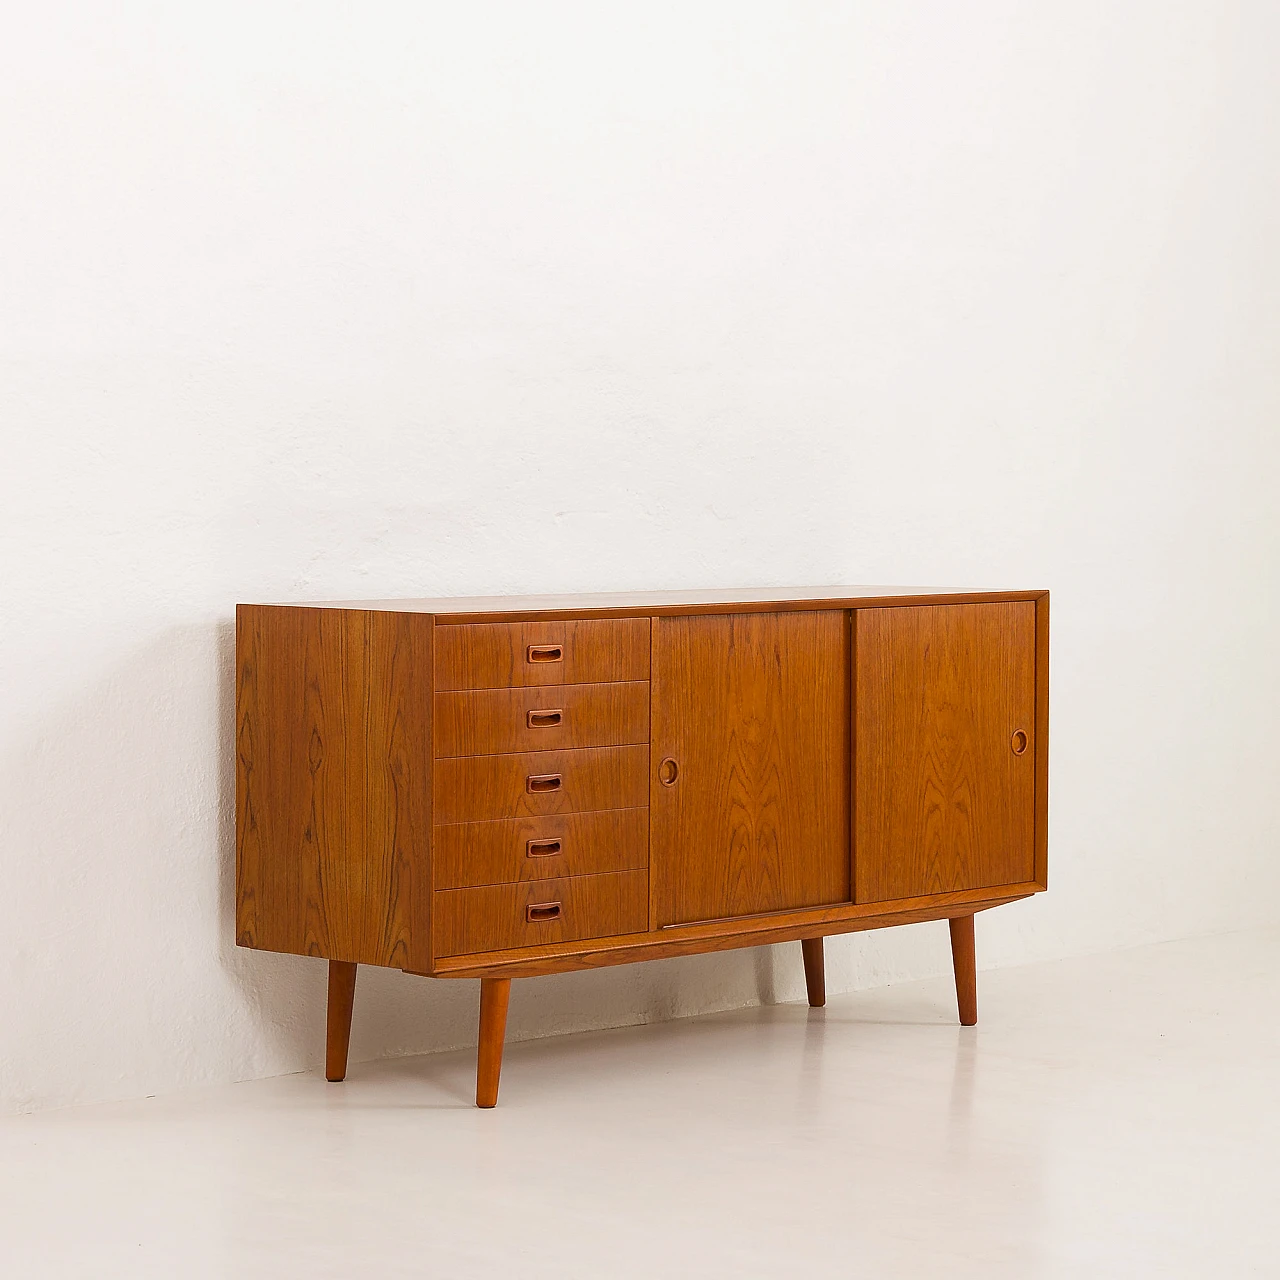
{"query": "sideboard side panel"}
{"type": "Point", "coordinates": [333, 757]}
{"type": "Point", "coordinates": [1042, 742]}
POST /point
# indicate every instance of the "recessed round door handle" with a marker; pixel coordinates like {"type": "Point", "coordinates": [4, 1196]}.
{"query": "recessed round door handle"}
{"type": "Point", "coordinates": [1019, 742]}
{"type": "Point", "coordinates": [668, 772]}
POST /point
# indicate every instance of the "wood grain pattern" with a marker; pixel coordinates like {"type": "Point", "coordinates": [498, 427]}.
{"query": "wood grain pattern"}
{"type": "Point", "coordinates": [342, 994]}
{"type": "Point", "coordinates": [467, 854]}
{"type": "Point", "coordinates": [334, 777]}
{"type": "Point", "coordinates": [753, 931]}
{"type": "Point", "coordinates": [495, 995]}
{"type": "Point", "coordinates": [333, 783]}
{"type": "Point", "coordinates": [965, 964]}
{"type": "Point", "coordinates": [495, 721]}
{"type": "Point", "coordinates": [495, 655]}
{"type": "Point", "coordinates": [753, 709]}
{"type": "Point", "coordinates": [943, 803]}
{"type": "Point", "coordinates": [496, 917]}
{"type": "Point", "coordinates": [815, 972]}
{"type": "Point", "coordinates": [484, 788]}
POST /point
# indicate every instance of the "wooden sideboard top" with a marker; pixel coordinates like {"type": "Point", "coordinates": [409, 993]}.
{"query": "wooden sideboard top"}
{"type": "Point", "coordinates": [716, 600]}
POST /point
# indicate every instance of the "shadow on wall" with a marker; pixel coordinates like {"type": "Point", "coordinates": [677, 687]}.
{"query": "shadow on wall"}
{"type": "Point", "coordinates": [121, 975]}
{"type": "Point", "coordinates": [287, 985]}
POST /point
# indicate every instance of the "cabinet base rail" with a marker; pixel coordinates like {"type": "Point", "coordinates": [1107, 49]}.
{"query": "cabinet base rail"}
{"type": "Point", "coordinates": [747, 931]}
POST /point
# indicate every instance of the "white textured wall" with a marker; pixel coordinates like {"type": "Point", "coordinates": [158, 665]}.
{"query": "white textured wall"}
{"type": "Point", "coordinates": [315, 301]}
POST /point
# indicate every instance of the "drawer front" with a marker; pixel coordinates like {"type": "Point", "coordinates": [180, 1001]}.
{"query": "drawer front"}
{"type": "Point", "coordinates": [466, 854]}
{"type": "Point", "coordinates": [500, 916]}
{"type": "Point", "coordinates": [482, 788]}
{"type": "Point", "coordinates": [480, 722]}
{"type": "Point", "coordinates": [504, 655]}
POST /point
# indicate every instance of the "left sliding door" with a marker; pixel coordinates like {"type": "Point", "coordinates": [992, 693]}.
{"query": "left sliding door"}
{"type": "Point", "coordinates": [749, 801]}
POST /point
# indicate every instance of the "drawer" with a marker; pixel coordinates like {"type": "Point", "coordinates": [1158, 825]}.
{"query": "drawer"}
{"type": "Point", "coordinates": [481, 788]}
{"type": "Point", "coordinates": [480, 722]}
{"type": "Point", "coordinates": [500, 916]}
{"type": "Point", "coordinates": [503, 655]}
{"type": "Point", "coordinates": [565, 844]}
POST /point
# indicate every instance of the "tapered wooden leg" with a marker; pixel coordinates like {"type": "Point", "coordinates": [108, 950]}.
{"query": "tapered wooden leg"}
{"type": "Point", "coordinates": [815, 977]}
{"type": "Point", "coordinates": [494, 995]}
{"type": "Point", "coordinates": [342, 994]}
{"type": "Point", "coordinates": [964, 962]}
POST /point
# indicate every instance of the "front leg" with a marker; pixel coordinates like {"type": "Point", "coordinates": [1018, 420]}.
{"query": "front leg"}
{"type": "Point", "coordinates": [342, 994]}
{"type": "Point", "coordinates": [494, 996]}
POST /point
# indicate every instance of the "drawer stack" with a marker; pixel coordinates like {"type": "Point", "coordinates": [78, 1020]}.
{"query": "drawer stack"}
{"type": "Point", "coordinates": [541, 783]}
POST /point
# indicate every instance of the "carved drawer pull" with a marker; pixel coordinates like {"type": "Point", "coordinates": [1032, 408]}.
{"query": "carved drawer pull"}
{"type": "Point", "coordinates": [541, 912]}
{"type": "Point", "coordinates": [541, 848]}
{"type": "Point", "coordinates": [545, 653]}
{"type": "Point", "coordinates": [537, 784]}
{"type": "Point", "coordinates": [544, 719]}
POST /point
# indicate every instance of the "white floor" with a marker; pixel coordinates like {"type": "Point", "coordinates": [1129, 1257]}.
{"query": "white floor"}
{"type": "Point", "coordinates": [1112, 1116]}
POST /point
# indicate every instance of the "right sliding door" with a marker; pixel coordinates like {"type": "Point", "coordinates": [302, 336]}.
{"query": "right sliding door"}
{"type": "Point", "coordinates": [944, 749]}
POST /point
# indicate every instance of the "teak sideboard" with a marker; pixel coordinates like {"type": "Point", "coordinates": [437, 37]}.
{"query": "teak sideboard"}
{"type": "Point", "coordinates": [501, 788]}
